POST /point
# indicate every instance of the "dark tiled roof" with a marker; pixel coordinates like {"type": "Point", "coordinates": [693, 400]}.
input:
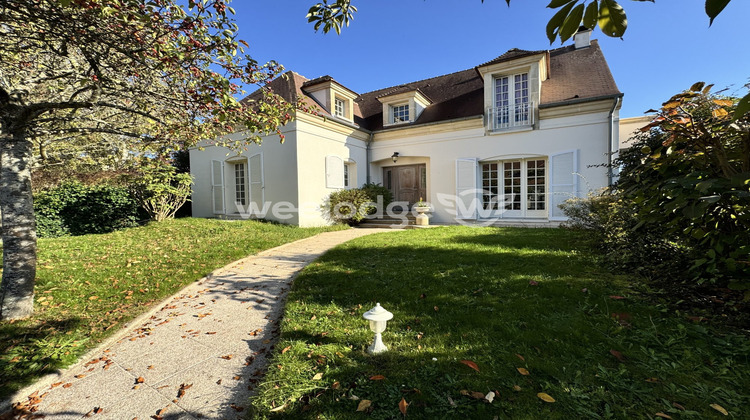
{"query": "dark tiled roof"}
{"type": "Point", "coordinates": [578, 74]}
{"type": "Point", "coordinates": [512, 54]}
{"type": "Point", "coordinates": [575, 75]}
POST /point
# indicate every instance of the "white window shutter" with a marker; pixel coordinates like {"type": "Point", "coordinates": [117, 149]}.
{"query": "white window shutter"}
{"type": "Point", "coordinates": [257, 182]}
{"type": "Point", "coordinates": [466, 189]}
{"type": "Point", "coordinates": [217, 186]}
{"type": "Point", "coordinates": [334, 172]}
{"type": "Point", "coordinates": [563, 181]}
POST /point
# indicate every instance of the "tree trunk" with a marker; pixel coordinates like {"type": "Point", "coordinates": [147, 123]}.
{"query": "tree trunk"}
{"type": "Point", "coordinates": [18, 226]}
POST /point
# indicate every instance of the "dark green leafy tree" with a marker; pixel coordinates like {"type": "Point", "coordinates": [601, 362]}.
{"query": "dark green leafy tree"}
{"type": "Point", "coordinates": [693, 182]}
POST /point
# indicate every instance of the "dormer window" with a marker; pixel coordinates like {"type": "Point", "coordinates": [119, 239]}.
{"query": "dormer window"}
{"type": "Point", "coordinates": [340, 108]}
{"type": "Point", "coordinates": [512, 89]}
{"type": "Point", "coordinates": [512, 104]}
{"type": "Point", "coordinates": [400, 106]}
{"type": "Point", "coordinates": [400, 113]}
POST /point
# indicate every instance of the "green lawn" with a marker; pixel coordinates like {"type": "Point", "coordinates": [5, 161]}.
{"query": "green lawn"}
{"type": "Point", "coordinates": [505, 299]}
{"type": "Point", "coordinates": [87, 286]}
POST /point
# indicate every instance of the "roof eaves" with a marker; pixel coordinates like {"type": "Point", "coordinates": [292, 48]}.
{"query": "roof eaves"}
{"type": "Point", "coordinates": [574, 101]}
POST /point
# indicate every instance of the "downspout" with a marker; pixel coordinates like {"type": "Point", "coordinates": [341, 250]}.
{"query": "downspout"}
{"type": "Point", "coordinates": [367, 156]}
{"type": "Point", "coordinates": [611, 120]}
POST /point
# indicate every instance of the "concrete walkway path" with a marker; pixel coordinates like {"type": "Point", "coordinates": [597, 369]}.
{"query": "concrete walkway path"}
{"type": "Point", "coordinates": [198, 356]}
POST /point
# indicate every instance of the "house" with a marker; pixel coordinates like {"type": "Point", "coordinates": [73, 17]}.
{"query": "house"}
{"type": "Point", "coordinates": [507, 140]}
{"type": "Point", "coordinates": [631, 126]}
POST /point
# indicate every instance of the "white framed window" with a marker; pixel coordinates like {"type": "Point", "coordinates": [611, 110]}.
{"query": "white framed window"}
{"type": "Point", "coordinates": [339, 108]}
{"type": "Point", "coordinates": [240, 184]}
{"type": "Point", "coordinates": [517, 188]}
{"type": "Point", "coordinates": [346, 175]}
{"type": "Point", "coordinates": [400, 113]}
{"type": "Point", "coordinates": [512, 103]}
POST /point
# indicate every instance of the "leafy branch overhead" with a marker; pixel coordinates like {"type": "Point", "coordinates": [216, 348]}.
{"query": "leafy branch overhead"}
{"type": "Point", "coordinates": [572, 14]}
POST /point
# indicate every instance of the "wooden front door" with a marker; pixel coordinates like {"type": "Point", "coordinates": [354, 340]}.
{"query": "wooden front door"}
{"type": "Point", "coordinates": [407, 183]}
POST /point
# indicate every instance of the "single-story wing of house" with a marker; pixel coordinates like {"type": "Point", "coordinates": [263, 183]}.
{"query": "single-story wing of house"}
{"type": "Point", "coordinates": [507, 140]}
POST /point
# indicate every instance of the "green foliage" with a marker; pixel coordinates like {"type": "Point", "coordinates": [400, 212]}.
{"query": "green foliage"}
{"type": "Point", "coordinates": [460, 293]}
{"type": "Point", "coordinates": [691, 178]}
{"type": "Point", "coordinates": [374, 191]}
{"type": "Point", "coordinates": [77, 209]}
{"type": "Point", "coordinates": [610, 222]}
{"type": "Point", "coordinates": [160, 189]}
{"type": "Point", "coordinates": [348, 206]}
{"type": "Point", "coordinates": [129, 271]}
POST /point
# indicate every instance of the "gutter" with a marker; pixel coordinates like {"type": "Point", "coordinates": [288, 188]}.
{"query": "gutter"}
{"type": "Point", "coordinates": [581, 100]}
{"type": "Point", "coordinates": [367, 155]}
{"type": "Point", "coordinates": [611, 121]}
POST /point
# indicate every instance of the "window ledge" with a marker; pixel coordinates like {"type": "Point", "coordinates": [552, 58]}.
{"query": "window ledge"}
{"type": "Point", "coordinates": [510, 130]}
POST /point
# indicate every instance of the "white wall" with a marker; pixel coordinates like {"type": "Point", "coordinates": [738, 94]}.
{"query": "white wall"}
{"type": "Point", "coordinates": [439, 149]}
{"type": "Point", "coordinates": [315, 142]}
{"type": "Point", "coordinates": [279, 172]}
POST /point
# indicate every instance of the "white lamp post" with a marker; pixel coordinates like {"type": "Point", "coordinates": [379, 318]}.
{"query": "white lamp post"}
{"type": "Point", "coordinates": [378, 317]}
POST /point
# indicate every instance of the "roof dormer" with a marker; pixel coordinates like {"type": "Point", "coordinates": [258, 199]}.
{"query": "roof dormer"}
{"type": "Point", "coordinates": [334, 97]}
{"type": "Point", "coordinates": [512, 88]}
{"type": "Point", "coordinates": [402, 107]}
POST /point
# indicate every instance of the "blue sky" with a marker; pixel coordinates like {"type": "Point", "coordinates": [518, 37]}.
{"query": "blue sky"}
{"type": "Point", "coordinates": [668, 45]}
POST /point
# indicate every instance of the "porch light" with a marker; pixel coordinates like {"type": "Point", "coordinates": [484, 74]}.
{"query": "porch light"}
{"type": "Point", "coordinates": [378, 318]}
{"type": "Point", "coordinates": [394, 157]}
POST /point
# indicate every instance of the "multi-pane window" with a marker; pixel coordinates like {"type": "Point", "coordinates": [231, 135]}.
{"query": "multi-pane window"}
{"type": "Point", "coordinates": [535, 185]}
{"type": "Point", "coordinates": [240, 186]}
{"type": "Point", "coordinates": [515, 185]}
{"type": "Point", "coordinates": [339, 108]}
{"type": "Point", "coordinates": [512, 185]}
{"type": "Point", "coordinates": [346, 175]}
{"type": "Point", "coordinates": [401, 113]}
{"type": "Point", "coordinates": [521, 97]}
{"type": "Point", "coordinates": [512, 101]}
{"type": "Point", "coordinates": [490, 186]}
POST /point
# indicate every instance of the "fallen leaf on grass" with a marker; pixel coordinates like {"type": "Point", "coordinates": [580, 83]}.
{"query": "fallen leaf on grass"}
{"type": "Point", "coordinates": [377, 378]}
{"type": "Point", "coordinates": [533, 283]}
{"type": "Point", "coordinates": [720, 409]}
{"type": "Point", "coordinates": [545, 397]}
{"type": "Point", "coordinates": [279, 408]}
{"type": "Point", "coordinates": [402, 406]}
{"type": "Point", "coordinates": [523, 371]}
{"type": "Point", "coordinates": [470, 364]}
{"type": "Point", "coordinates": [652, 380]}
{"type": "Point", "coordinates": [318, 376]}
{"type": "Point", "coordinates": [436, 308]}
{"type": "Point", "coordinates": [364, 405]}
{"type": "Point", "coordinates": [615, 297]}
{"type": "Point", "coordinates": [94, 298]}
{"type": "Point", "coordinates": [678, 406]}
{"type": "Point", "coordinates": [336, 385]}
{"type": "Point", "coordinates": [516, 388]}
{"type": "Point", "coordinates": [520, 357]}
{"type": "Point", "coordinates": [662, 415]}
{"type": "Point", "coordinates": [286, 349]}
{"type": "Point", "coordinates": [477, 395]}
{"type": "Point", "coordinates": [619, 356]}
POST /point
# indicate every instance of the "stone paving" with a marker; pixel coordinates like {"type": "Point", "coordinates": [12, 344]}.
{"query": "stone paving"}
{"type": "Point", "coordinates": [198, 356]}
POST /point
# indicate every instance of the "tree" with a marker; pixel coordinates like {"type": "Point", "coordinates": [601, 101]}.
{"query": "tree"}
{"type": "Point", "coordinates": [156, 73]}
{"type": "Point", "coordinates": [690, 177]}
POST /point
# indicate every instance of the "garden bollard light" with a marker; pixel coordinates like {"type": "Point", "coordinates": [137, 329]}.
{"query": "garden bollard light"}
{"type": "Point", "coordinates": [378, 318]}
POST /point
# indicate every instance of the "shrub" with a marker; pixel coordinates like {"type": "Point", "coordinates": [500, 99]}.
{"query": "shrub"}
{"type": "Point", "coordinates": [348, 206]}
{"type": "Point", "coordinates": [374, 190]}
{"type": "Point", "coordinates": [77, 209]}
{"type": "Point", "coordinates": [161, 190]}
{"type": "Point", "coordinates": [612, 222]}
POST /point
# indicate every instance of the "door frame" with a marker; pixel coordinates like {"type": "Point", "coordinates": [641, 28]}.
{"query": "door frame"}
{"type": "Point", "coordinates": [422, 179]}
